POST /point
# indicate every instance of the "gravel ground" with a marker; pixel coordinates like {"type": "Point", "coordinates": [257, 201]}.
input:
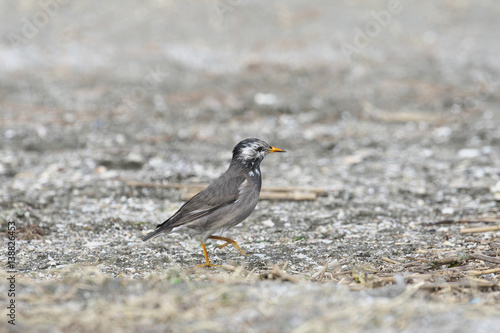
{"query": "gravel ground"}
{"type": "Point", "coordinates": [390, 109]}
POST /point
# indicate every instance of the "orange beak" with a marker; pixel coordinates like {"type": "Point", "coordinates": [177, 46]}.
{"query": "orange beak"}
{"type": "Point", "coordinates": [275, 150]}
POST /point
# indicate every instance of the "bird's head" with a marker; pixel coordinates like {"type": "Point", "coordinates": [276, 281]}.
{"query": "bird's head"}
{"type": "Point", "coordinates": [253, 150]}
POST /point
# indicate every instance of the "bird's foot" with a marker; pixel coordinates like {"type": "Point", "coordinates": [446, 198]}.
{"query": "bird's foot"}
{"type": "Point", "coordinates": [207, 261]}
{"type": "Point", "coordinates": [208, 264]}
{"type": "Point", "coordinates": [228, 241]}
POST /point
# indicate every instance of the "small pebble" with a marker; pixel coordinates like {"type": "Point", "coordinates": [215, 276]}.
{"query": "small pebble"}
{"type": "Point", "coordinates": [268, 223]}
{"type": "Point", "coordinates": [447, 211]}
{"type": "Point", "coordinates": [469, 153]}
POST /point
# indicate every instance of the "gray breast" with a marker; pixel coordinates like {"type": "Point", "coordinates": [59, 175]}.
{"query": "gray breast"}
{"type": "Point", "coordinates": [235, 213]}
{"type": "Point", "coordinates": [249, 196]}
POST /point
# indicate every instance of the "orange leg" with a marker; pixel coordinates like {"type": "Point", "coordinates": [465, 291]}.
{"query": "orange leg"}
{"type": "Point", "coordinates": [207, 261]}
{"type": "Point", "coordinates": [228, 241]}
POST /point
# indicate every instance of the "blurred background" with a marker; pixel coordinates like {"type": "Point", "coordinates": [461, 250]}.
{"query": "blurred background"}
{"type": "Point", "coordinates": [316, 77]}
{"type": "Point", "coordinates": [167, 88]}
{"type": "Point", "coordinates": [205, 74]}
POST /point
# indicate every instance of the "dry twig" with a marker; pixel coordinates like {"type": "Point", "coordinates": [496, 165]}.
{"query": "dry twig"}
{"type": "Point", "coordinates": [390, 261]}
{"type": "Point", "coordinates": [268, 193]}
{"type": "Point", "coordinates": [480, 229]}
{"type": "Point", "coordinates": [484, 272]}
{"type": "Point", "coordinates": [481, 256]}
{"type": "Point", "coordinates": [485, 219]}
{"type": "Point", "coordinates": [276, 273]}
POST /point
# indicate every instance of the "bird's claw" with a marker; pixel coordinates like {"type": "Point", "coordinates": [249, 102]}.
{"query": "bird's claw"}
{"type": "Point", "coordinates": [208, 264]}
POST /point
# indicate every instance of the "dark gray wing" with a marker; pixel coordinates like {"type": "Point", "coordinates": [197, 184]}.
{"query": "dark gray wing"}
{"type": "Point", "coordinates": [222, 192]}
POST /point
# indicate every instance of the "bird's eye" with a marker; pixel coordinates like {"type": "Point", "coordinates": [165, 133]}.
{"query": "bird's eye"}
{"type": "Point", "coordinates": [259, 149]}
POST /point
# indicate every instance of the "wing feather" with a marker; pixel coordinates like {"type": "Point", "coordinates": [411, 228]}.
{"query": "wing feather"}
{"type": "Point", "coordinates": [222, 192]}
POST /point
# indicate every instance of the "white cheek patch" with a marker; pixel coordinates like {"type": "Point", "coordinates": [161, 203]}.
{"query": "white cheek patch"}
{"type": "Point", "coordinates": [257, 171]}
{"type": "Point", "coordinates": [251, 173]}
{"type": "Point", "coordinates": [247, 153]}
{"type": "Point", "coordinates": [252, 152]}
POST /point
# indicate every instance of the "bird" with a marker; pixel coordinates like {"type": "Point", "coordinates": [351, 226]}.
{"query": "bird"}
{"type": "Point", "coordinates": [226, 202]}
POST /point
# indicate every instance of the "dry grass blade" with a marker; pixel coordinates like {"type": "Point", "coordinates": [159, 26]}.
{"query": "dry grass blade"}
{"type": "Point", "coordinates": [318, 276]}
{"type": "Point", "coordinates": [464, 221]}
{"type": "Point", "coordinates": [269, 195]}
{"type": "Point", "coordinates": [276, 273]}
{"type": "Point", "coordinates": [484, 219]}
{"type": "Point", "coordinates": [390, 261]}
{"type": "Point", "coordinates": [293, 193]}
{"type": "Point", "coordinates": [240, 270]}
{"type": "Point", "coordinates": [417, 259]}
{"type": "Point", "coordinates": [481, 256]}
{"type": "Point", "coordinates": [317, 190]}
{"type": "Point", "coordinates": [480, 229]}
{"type": "Point", "coordinates": [484, 272]}
{"type": "Point", "coordinates": [28, 232]}
{"type": "Point", "coordinates": [461, 284]}
{"type": "Point", "coordinates": [452, 261]}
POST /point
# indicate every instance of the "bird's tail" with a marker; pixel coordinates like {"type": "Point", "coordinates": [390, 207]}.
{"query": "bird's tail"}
{"type": "Point", "coordinates": [156, 233]}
